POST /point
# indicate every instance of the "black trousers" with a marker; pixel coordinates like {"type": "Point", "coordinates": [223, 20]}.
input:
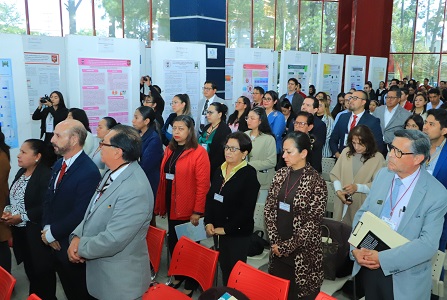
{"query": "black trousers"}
{"type": "Point", "coordinates": [377, 286]}
{"type": "Point", "coordinates": [5, 256]}
{"type": "Point", "coordinates": [231, 249]}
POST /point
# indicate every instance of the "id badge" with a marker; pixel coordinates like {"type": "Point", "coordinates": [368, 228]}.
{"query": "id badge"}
{"type": "Point", "coordinates": [389, 223]}
{"type": "Point", "coordinates": [218, 197]}
{"type": "Point", "coordinates": [284, 206]}
{"type": "Point", "coordinates": [49, 123]}
{"type": "Point", "coordinates": [203, 119]}
{"type": "Point", "coordinates": [345, 142]}
{"type": "Point", "coordinates": [205, 146]}
{"type": "Point", "coordinates": [169, 176]}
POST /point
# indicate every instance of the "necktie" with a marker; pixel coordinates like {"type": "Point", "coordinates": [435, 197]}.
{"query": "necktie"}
{"type": "Point", "coordinates": [205, 107]}
{"type": "Point", "coordinates": [386, 211]}
{"type": "Point", "coordinates": [62, 173]}
{"type": "Point", "coordinates": [353, 122]}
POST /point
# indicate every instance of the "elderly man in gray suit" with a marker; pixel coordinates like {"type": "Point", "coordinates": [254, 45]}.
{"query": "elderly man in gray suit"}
{"type": "Point", "coordinates": [392, 116]}
{"type": "Point", "coordinates": [209, 93]}
{"type": "Point", "coordinates": [111, 239]}
{"type": "Point", "coordinates": [413, 203]}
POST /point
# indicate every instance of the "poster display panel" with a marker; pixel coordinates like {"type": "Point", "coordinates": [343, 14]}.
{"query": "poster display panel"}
{"type": "Point", "coordinates": [355, 72]}
{"type": "Point", "coordinates": [295, 64]}
{"type": "Point", "coordinates": [8, 118]}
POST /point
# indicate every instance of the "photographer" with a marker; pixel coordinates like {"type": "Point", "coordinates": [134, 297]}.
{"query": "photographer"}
{"type": "Point", "coordinates": [145, 83]}
{"type": "Point", "coordinates": [52, 114]}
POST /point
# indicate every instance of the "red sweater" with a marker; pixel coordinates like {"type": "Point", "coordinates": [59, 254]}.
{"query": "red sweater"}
{"type": "Point", "coordinates": [189, 187]}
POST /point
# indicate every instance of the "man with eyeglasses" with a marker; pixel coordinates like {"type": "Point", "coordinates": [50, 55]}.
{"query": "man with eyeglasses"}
{"type": "Point", "coordinates": [209, 96]}
{"type": "Point", "coordinates": [434, 95]}
{"type": "Point", "coordinates": [357, 115]}
{"type": "Point", "coordinates": [258, 95]}
{"type": "Point", "coordinates": [293, 95]}
{"type": "Point", "coordinates": [73, 182]}
{"type": "Point", "coordinates": [413, 204]}
{"type": "Point", "coordinates": [392, 116]}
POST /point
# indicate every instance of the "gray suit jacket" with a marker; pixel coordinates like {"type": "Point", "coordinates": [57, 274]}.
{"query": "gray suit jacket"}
{"type": "Point", "coordinates": [422, 223]}
{"type": "Point", "coordinates": [200, 108]}
{"type": "Point", "coordinates": [397, 121]}
{"type": "Point", "coordinates": [113, 237]}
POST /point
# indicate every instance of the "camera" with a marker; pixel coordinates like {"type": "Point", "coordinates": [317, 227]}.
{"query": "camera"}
{"type": "Point", "coordinates": [348, 198]}
{"type": "Point", "coordinates": [146, 78]}
{"type": "Point", "coordinates": [45, 98]}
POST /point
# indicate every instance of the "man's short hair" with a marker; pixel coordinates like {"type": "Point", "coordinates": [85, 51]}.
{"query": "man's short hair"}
{"type": "Point", "coordinates": [397, 90]}
{"type": "Point", "coordinates": [395, 80]}
{"type": "Point", "coordinates": [294, 80]}
{"type": "Point", "coordinates": [213, 85]}
{"type": "Point", "coordinates": [443, 81]}
{"type": "Point", "coordinates": [259, 89]}
{"type": "Point", "coordinates": [440, 115]}
{"type": "Point", "coordinates": [309, 116]}
{"type": "Point", "coordinates": [420, 143]}
{"type": "Point", "coordinates": [434, 91]}
{"type": "Point", "coordinates": [127, 139]}
{"type": "Point", "coordinates": [405, 90]}
{"type": "Point", "coordinates": [369, 84]}
{"type": "Point", "coordinates": [78, 130]}
{"type": "Point", "coordinates": [315, 100]}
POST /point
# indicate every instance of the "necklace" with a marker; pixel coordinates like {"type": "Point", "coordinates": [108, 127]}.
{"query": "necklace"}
{"type": "Point", "coordinates": [208, 132]}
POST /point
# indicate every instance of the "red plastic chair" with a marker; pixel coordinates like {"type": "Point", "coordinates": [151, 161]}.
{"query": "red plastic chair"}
{"type": "Point", "coordinates": [188, 259]}
{"type": "Point", "coordinates": [324, 296]}
{"type": "Point", "coordinates": [154, 239]}
{"type": "Point", "coordinates": [33, 297]}
{"type": "Point", "coordinates": [256, 284]}
{"type": "Point", "coordinates": [7, 283]}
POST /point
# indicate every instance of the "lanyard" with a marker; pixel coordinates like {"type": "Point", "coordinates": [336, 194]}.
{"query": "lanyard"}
{"type": "Point", "coordinates": [174, 159]}
{"type": "Point", "coordinates": [391, 195]}
{"type": "Point", "coordinates": [287, 192]}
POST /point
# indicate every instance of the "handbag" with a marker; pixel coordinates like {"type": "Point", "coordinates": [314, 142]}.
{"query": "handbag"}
{"type": "Point", "coordinates": [330, 251]}
{"type": "Point", "coordinates": [257, 243]}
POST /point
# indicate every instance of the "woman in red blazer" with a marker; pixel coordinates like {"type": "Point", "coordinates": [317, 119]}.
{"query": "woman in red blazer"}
{"type": "Point", "coordinates": [184, 183]}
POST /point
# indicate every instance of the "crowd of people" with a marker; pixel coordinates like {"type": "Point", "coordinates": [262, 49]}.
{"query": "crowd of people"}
{"type": "Point", "coordinates": [80, 206]}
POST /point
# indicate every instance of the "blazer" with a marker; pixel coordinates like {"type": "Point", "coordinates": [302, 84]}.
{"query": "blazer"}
{"type": "Point", "coordinates": [235, 213]}
{"type": "Point", "coordinates": [278, 125]}
{"type": "Point", "coordinates": [309, 205]}
{"type": "Point", "coordinates": [151, 155]}
{"type": "Point", "coordinates": [216, 151]}
{"type": "Point", "coordinates": [200, 106]}
{"type": "Point", "coordinates": [113, 237]}
{"type": "Point", "coordinates": [33, 198]}
{"type": "Point", "coordinates": [59, 115]}
{"type": "Point", "coordinates": [297, 101]}
{"type": "Point", "coordinates": [336, 142]}
{"type": "Point", "coordinates": [397, 121]}
{"type": "Point", "coordinates": [440, 173]}
{"type": "Point", "coordinates": [5, 167]}
{"type": "Point", "coordinates": [64, 207]}
{"type": "Point", "coordinates": [410, 264]}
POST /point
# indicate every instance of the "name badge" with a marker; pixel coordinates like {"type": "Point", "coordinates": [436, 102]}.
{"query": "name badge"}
{"type": "Point", "coordinates": [169, 176]}
{"type": "Point", "coordinates": [203, 119]}
{"type": "Point", "coordinates": [218, 197]}
{"type": "Point", "coordinates": [345, 142]}
{"type": "Point", "coordinates": [284, 206]}
{"type": "Point", "coordinates": [389, 223]}
{"type": "Point", "coordinates": [204, 145]}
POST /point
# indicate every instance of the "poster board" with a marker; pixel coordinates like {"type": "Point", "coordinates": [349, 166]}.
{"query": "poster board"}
{"type": "Point", "coordinates": [377, 70]}
{"type": "Point", "coordinates": [329, 74]}
{"type": "Point", "coordinates": [275, 73]}
{"type": "Point", "coordinates": [295, 64]}
{"type": "Point", "coordinates": [229, 73]}
{"type": "Point", "coordinates": [313, 69]}
{"type": "Point", "coordinates": [355, 72]}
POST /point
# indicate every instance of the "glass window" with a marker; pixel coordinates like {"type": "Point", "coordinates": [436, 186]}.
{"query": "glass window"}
{"type": "Point", "coordinates": [108, 16]}
{"type": "Point", "coordinates": [287, 25]}
{"type": "Point", "coordinates": [310, 26]}
{"type": "Point", "coordinates": [426, 66]}
{"type": "Point", "coordinates": [77, 17]}
{"type": "Point", "coordinates": [44, 20]}
{"type": "Point", "coordinates": [443, 75]}
{"type": "Point", "coordinates": [402, 27]}
{"type": "Point", "coordinates": [239, 14]}
{"type": "Point", "coordinates": [160, 20]}
{"type": "Point", "coordinates": [12, 17]}
{"type": "Point", "coordinates": [136, 20]}
{"type": "Point", "coordinates": [263, 24]}
{"type": "Point", "coordinates": [399, 66]}
{"type": "Point", "coordinates": [329, 40]}
{"type": "Point", "coordinates": [429, 26]}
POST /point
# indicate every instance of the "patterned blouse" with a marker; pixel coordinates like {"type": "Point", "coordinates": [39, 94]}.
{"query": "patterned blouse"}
{"type": "Point", "coordinates": [17, 199]}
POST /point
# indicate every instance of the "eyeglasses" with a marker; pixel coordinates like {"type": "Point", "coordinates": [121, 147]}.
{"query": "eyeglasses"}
{"type": "Point", "coordinates": [101, 144]}
{"type": "Point", "coordinates": [256, 93]}
{"type": "Point", "coordinates": [207, 88]}
{"type": "Point", "coordinates": [398, 152]}
{"type": "Point", "coordinates": [148, 101]}
{"type": "Point", "coordinates": [209, 112]}
{"type": "Point", "coordinates": [356, 98]}
{"type": "Point", "coordinates": [300, 124]}
{"type": "Point", "coordinates": [391, 97]}
{"type": "Point", "coordinates": [267, 99]}
{"type": "Point", "coordinates": [251, 118]}
{"type": "Point", "coordinates": [232, 149]}
{"type": "Point", "coordinates": [240, 102]}
{"type": "Point", "coordinates": [175, 102]}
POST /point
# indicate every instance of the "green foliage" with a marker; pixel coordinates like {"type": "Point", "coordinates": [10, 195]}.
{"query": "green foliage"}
{"type": "Point", "coordinates": [10, 20]}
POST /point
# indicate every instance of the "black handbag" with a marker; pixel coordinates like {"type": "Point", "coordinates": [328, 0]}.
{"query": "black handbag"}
{"type": "Point", "coordinates": [330, 254]}
{"type": "Point", "coordinates": [257, 243]}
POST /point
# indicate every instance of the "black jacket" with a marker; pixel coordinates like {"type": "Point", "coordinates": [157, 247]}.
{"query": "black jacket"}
{"type": "Point", "coordinates": [58, 115]}
{"type": "Point", "coordinates": [216, 153]}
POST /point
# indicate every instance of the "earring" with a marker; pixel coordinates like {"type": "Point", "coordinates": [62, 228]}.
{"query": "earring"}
{"type": "Point", "coordinates": [37, 160]}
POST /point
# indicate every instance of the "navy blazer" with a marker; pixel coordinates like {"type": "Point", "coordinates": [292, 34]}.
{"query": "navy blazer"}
{"type": "Point", "coordinates": [151, 155]}
{"type": "Point", "coordinates": [65, 206]}
{"type": "Point", "coordinates": [337, 139]}
{"type": "Point", "coordinates": [440, 173]}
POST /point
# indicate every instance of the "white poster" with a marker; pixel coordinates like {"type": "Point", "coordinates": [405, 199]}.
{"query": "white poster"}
{"type": "Point", "coordinates": [182, 77]}
{"type": "Point", "coordinates": [42, 76]}
{"type": "Point", "coordinates": [229, 73]}
{"type": "Point", "coordinates": [301, 73]}
{"type": "Point", "coordinates": [105, 89]}
{"type": "Point", "coordinates": [331, 80]}
{"type": "Point", "coordinates": [8, 118]}
{"type": "Point", "coordinates": [254, 75]}
{"type": "Point", "coordinates": [356, 78]}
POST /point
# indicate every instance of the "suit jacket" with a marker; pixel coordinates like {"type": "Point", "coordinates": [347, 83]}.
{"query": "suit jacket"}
{"type": "Point", "coordinates": [397, 121]}
{"type": "Point", "coordinates": [410, 264]}
{"type": "Point", "coordinates": [336, 142]}
{"type": "Point", "coordinates": [151, 155]}
{"type": "Point", "coordinates": [440, 173]}
{"type": "Point", "coordinates": [113, 237]}
{"type": "Point", "coordinates": [65, 206]}
{"type": "Point", "coordinates": [297, 101]}
{"type": "Point", "coordinates": [200, 108]}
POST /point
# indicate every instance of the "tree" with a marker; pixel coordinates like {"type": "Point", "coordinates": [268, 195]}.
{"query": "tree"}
{"type": "Point", "coordinates": [72, 6]}
{"type": "Point", "coordinates": [10, 20]}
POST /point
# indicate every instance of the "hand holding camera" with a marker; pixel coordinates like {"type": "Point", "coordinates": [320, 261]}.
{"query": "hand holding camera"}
{"type": "Point", "coordinates": [45, 100]}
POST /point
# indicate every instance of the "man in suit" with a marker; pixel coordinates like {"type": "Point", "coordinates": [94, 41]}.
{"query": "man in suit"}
{"type": "Point", "coordinates": [293, 96]}
{"type": "Point", "coordinates": [392, 116]}
{"type": "Point", "coordinates": [413, 203]}
{"type": "Point", "coordinates": [111, 239]}
{"type": "Point", "coordinates": [209, 93]}
{"type": "Point", "coordinates": [347, 121]}
{"type": "Point", "coordinates": [71, 186]}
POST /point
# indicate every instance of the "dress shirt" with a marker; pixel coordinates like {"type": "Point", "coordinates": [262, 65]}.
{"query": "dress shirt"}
{"type": "Point", "coordinates": [389, 115]}
{"type": "Point", "coordinates": [356, 121]}
{"type": "Point", "coordinates": [290, 96]}
{"type": "Point", "coordinates": [430, 106]}
{"type": "Point", "coordinates": [430, 166]}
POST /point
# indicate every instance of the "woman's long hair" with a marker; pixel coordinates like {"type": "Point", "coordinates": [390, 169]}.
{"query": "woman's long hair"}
{"type": "Point", "coordinates": [81, 116]}
{"type": "Point", "coordinates": [264, 127]}
{"type": "Point", "coordinates": [3, 146]}
{"type": "Point", "coordinates": [232, 118]}
{"type": "Point", "coordinates": [366, 138]}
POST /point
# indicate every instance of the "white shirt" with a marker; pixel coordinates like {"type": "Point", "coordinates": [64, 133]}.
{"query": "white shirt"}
{"type": "Point", "coordinates": [430, 106]}
{"type": "Point", "coordinates": [351, 119]}
{"type": "Point", "coordinates": [389, 114]}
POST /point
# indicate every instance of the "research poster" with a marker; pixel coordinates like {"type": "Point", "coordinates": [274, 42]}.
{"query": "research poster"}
{"type": "Point", "coordinates": [8, 118]}
{"type": "Point", "coordinates": [229, 73]}
{"type": "Point", "coordinates": [182, 77]}
{"type": "Point", "coordinates": [42, 76]}
{"type": "Point", "coordinates": [331, 79]}
{"type": "Point", "coordinates": [357, 78]}
{"type": "Point", "coordinates": [301, 73]}
{"type": "Point", "coordinates": [254, 75]}
{"type": "Point", "coordinates": [105, 89]}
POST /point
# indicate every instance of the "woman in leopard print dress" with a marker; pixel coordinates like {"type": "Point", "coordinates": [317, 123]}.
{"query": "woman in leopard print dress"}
{"type": "Point", "coordinates": [293, 211]}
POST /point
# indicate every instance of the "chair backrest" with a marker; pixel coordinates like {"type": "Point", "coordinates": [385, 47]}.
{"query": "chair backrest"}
{"type": "Point", "coordinates": [154, 239]}
{"type": "Point", "coordinates": [327, 163]}
{"type": "Point", "coordinates": [256, 284]}
{"type": "Point", "coordinates": [195, 261]}
{"type": "Point", "coordinates": [324, 296]}
{"type": "Point", "coordinates": [33, 297]}
{"type": "Point", "coordinates": [7, 283]}
{"type": "Point", "coordinates": [259, 216]}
